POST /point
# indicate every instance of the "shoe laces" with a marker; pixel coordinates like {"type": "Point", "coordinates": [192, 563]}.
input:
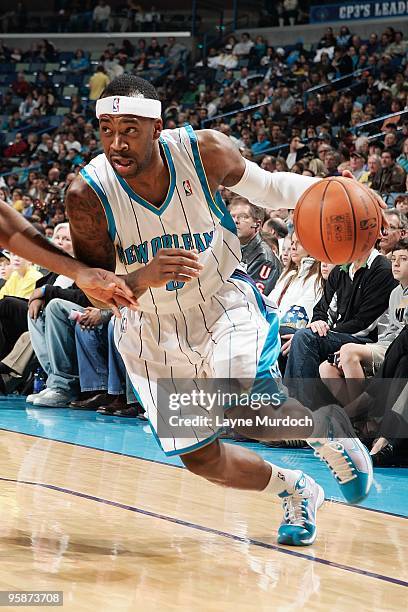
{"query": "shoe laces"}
{"type": "Point", "coordinates": [333, 454]}
{"type": "Point", "coordinates": [294, 507]}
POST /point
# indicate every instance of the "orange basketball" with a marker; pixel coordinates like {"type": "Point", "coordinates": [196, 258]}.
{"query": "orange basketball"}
{"type": "Point", "coordinates": [337, 220]}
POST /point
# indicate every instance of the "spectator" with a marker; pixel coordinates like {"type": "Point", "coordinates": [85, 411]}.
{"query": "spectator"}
{"type": "Point", "coordinates": [296, 293]}
{"type": "Point", "coordinates": [5, 267]}
{"type": "Point", "coordinates": [17, 148]}
{"type": "Point", "coordinates": [79, 64]}
{"type": "Point", "coordinates": [402, 160]}
{"type": "Point", "coordinates": [357, 165]}
{"type": "Point", "coordinates": [243, 48]}
{"type": "Point", "coordinates": [102, 373]}
{"type": "Point", "coordinates": [22, 279]}
{"type": "Point", "coordinates": [97, 83]}
{"type": "Point", "coordinates": [391, 177]}
{"type": "Point", "coordinates": [262, 265]}
{"type": "Point", "coordinates": [21, 87]}
{"type": "Point", "coordinates": [354, 298]}
{"type": "Point", "coordinates": [356, 361]}
{"type": "Point", "coordinates": [297, 150]}
{"type": "Point", "coordinates": [373, 166]}
{"type": "Point", "coordinates": [397, 230]}
{"type": "Point", "coordinates": [100, 17]}
{"type": "Point", "coordinates": [401, 204]}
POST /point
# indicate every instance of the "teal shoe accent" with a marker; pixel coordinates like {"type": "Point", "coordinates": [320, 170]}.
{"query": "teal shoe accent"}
{"type": "Point", "coordinates": [298, 527]}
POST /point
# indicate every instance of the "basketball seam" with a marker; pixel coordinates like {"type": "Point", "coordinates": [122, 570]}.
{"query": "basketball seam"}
{"type": "Point", "coordinates": [321, 221]}
{"type": "Point", "coordinates": [354, 219]}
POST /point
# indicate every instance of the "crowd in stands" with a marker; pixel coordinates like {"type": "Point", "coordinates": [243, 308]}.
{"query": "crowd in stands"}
{"type": "Point", "coordinates": [306, 110]}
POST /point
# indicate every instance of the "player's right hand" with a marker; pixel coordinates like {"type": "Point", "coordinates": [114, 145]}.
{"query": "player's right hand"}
{"type": "Point", "coordinates": [167, 265]}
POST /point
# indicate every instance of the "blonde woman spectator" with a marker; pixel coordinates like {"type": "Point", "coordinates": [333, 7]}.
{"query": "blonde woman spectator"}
{"type": "Point", "coordinates": [297, 291]}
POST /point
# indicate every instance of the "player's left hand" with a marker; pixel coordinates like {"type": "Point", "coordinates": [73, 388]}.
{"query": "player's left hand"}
{"type": "Point", "coordinates": [107, 288]}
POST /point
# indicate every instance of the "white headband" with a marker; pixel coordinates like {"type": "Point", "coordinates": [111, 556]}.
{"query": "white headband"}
{"type": "Point", "coordinates": [124, 105]}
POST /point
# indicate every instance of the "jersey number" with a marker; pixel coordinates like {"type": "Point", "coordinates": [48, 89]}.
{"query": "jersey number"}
{"type": "Point", "coordinates": [174, 285]}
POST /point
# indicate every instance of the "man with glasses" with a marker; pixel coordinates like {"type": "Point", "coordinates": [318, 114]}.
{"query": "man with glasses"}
{"type": "Point", "coordinates": [397, 230]}
{"type": "Point", "coordinates": [262, 265]}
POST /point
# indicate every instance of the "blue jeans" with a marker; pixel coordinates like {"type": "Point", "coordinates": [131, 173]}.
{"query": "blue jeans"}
{"type": "Point", "coordinates": [100, 365]}
{"type": "Point", "coordinates": [53, 340]}
{"type": "Point", "coordinates": [308, 350]}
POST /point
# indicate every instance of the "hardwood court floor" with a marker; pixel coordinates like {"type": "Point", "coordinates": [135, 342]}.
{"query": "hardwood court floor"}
{"type": "Point", "coordinates": [117, 533]}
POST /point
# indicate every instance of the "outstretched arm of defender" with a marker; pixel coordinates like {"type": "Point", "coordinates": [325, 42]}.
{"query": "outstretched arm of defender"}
{"type": "Point", "coordinates": [93, 246]}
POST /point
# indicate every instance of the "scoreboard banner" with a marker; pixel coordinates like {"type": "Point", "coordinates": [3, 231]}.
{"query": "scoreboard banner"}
{"type": "Point", "coordinates": [350, 11]}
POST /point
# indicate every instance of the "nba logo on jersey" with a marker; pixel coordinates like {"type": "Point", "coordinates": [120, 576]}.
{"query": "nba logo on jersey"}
{"type": "Point", "coordinates": [187, 188]}
{"type": "Point", "coordinates": [115, 105]}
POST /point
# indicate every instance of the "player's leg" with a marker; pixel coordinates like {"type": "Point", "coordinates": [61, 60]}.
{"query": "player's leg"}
{"type": "Point", "coordinates": [237, 467]}
{"type": "Point", "coordinates": [331, 436]}
{"type": "Point", "coordinates": [246, 343]}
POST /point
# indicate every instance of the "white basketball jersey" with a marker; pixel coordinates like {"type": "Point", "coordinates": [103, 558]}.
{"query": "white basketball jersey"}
{"type": "Point", "coordinates": [190, 218]}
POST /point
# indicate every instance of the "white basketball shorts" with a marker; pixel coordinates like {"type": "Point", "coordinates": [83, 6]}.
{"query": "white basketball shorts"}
{"type": "Point", "coordinates": [233, 335]}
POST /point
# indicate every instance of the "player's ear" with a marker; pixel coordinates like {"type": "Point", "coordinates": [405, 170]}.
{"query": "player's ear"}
{"type": "Point", "coordinates": [157, 128]}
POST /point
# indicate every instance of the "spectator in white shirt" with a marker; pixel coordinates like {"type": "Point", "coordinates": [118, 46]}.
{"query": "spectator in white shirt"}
{"type": "Point", "coordinates": [100, 16]}
{"type": "Point", "coordinates": [244, 46]}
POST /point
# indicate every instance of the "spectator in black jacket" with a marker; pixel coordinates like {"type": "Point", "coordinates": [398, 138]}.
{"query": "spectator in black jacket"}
{"type": "Point", "coordinates": [355, 297]}
{"type": "Point", "coordinates": [262, 265]}
{"type": "Point", "coordinates": [391, 177]}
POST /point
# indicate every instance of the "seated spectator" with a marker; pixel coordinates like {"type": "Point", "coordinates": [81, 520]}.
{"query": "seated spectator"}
{"type": "Point", "coordinates": [373, 166]}
{"type": "Point", "coordinates": [13, 310]}
{"type": "Point", "coordinates": [401, 204]}
{"type": "Point", "coordinates": [262, 143]}
{"type": "Point", "coordinates": [391, 177]}
{"type": "Point", "coordinates": [243, 48]}
{"type": "Point", "coordinates": [5, 267]}
{"type": "Point", "coordinates": [17, 148]}
{"type": "Point", "coordinates": [262, 265]}
{"type": "Point", "coordinates": [102, 373]}
{"type": "Point", "coordinates": [79, 64]}
{"type": "Point", "coordinates": [397, 230]}
{"type": "Point", "coordinates": [402, 160]}
{"type": "Point", "coordinates": [21, 87]}
{"type": "Point", "coordinates": [21, 282]}
{"type": "Point", "coordinates": [357, 165]}
{"type": "Point", "coordinates": [297, 150]}
{"type": "Point", "coordinates": [356, 361]}
{"type": "Point", "coordinates": [100, 16]}
{"type": "Point", "coordinates": [97, 83]}
{"type": "Point", "coordinates": [354, 298]}
{"type": "Point", "coordinates": [52, 334]}
{"type": "Point", "coordinates": [297, 291]}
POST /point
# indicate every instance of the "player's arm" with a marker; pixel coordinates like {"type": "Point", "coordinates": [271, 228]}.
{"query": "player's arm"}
{"type": "Point", "coordinates": [224, 165]}
{"type": "Point", "coordinates": [93, 247]}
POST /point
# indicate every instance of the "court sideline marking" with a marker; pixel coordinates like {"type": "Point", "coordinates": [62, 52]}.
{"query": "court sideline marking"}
{"type": "Point", "coordinates": [213, 531]}
{"type": "Point", "coordinates": [181, 467]}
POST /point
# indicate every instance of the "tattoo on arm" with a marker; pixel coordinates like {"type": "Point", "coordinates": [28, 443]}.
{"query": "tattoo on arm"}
{"type": "Point", "coordinates": [89, 229]}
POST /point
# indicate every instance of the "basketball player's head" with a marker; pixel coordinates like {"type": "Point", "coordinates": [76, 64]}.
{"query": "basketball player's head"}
{"type": "Point", "coordinates": [130, 124]}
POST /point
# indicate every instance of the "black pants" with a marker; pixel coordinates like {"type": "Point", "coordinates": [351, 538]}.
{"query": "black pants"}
{"type": "Point", "coordinates": [13, 322]}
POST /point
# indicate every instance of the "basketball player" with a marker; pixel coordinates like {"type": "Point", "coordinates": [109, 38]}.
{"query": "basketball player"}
{"type": "Point", "coordinates": [20, 237]}
{"type": "Point", "coordinates": [148, 208]}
